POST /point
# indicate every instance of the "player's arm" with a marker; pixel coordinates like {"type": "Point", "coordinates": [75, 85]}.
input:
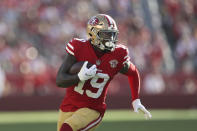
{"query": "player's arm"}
{"type": "Point", "coordinates": [132, 73]}
{"type": "Point", "coordinates": [63, 78]}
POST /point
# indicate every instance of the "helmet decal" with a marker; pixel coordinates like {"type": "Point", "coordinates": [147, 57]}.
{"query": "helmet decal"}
{"type": "Point", "coordinates": [94, 21]}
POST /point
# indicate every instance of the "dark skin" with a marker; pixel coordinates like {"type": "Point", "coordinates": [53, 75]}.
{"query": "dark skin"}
{"type": "Point", "coordinates": [65, 80]}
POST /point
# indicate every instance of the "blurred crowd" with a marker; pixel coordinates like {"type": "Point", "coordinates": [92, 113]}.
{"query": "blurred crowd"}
{"type": "Point", "coordinates": [161, 36]}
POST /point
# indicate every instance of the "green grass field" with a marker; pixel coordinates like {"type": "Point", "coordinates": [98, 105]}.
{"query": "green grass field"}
{"type": "Point", "coordinates": [114, 120]}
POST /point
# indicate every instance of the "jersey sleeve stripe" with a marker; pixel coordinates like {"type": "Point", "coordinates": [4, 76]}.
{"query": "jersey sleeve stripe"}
{"type": "Point", "coordinates": [126, 57]}
{"type": "Point", "coordinates": [70, 46]}
{"type": "Point", "coordinates": [127, 60]}
{"type": "Point", "coordinates": [69, 51]}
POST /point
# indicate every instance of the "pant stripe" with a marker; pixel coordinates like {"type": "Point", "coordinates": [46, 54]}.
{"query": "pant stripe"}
{"type": "Point", "coordinates": [92, 124]}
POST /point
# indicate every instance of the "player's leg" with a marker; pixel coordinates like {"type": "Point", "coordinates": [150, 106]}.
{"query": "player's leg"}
{"type": "Point", "coordinates": [62, 117]}
{"type": "Point", "coordinates": [84, 119]}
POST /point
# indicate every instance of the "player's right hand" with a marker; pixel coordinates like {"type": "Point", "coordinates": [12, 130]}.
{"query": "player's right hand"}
{"type": "Point", "coordinates": [86, 73]}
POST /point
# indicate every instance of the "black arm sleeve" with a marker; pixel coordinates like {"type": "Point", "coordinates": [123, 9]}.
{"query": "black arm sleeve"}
{"type": "Point", "coordinates": [125, 68]}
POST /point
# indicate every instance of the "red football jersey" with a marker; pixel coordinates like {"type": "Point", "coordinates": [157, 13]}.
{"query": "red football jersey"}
{"type": "Point", "coordinates": [92, 93]}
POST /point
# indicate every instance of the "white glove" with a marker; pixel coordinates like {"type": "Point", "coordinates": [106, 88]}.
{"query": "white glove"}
{"type": "Point", "coordinates": [87, 73]}
{"type": "Point", "coordinates": [137, 105]}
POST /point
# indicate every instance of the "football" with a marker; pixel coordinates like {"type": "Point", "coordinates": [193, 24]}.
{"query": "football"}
{"type": "Point", "coordinates": [75, 68]}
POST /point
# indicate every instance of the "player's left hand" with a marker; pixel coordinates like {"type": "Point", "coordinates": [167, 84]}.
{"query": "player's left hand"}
{"type": "Point", "coordinates": [138, 106]}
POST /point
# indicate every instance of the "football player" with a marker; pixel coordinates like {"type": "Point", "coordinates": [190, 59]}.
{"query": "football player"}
{"type": "Point", "coordinates": [83, 106]}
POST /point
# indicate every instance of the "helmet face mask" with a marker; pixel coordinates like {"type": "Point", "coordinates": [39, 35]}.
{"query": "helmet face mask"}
{"type": "Point", "coordinates": [107, 35]}
{"type": "Point", "coordinates": [108, 39]}
{"type": "Point", "coordinates": [103, 32]}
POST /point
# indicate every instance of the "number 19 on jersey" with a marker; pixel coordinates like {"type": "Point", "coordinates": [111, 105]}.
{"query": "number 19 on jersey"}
{"type": "Point", "coordinates": [94, 84]}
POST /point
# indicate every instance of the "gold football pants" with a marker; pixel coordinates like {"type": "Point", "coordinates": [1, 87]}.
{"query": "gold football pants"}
{"type": "Point", "coordinates": [83, 119]}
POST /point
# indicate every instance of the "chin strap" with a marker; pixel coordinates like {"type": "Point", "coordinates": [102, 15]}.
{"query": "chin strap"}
{"type": "Point", "coordinates": [134, 81]}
